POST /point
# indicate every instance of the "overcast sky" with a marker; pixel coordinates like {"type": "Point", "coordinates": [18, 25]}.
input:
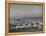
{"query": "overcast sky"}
{"type": "Point", "coordinates": [25, 10]}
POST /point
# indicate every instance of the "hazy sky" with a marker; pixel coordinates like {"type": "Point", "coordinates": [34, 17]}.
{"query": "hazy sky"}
{"type": "Point", "coordinates": [25, 10]}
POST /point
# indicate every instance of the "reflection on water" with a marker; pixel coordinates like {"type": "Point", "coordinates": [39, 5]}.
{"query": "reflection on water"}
{"type": "Point", "coordinates": [26, 24]}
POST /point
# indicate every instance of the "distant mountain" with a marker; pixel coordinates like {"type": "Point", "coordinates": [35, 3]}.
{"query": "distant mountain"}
{"type": "Point", "coordinates": [19, 18]}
